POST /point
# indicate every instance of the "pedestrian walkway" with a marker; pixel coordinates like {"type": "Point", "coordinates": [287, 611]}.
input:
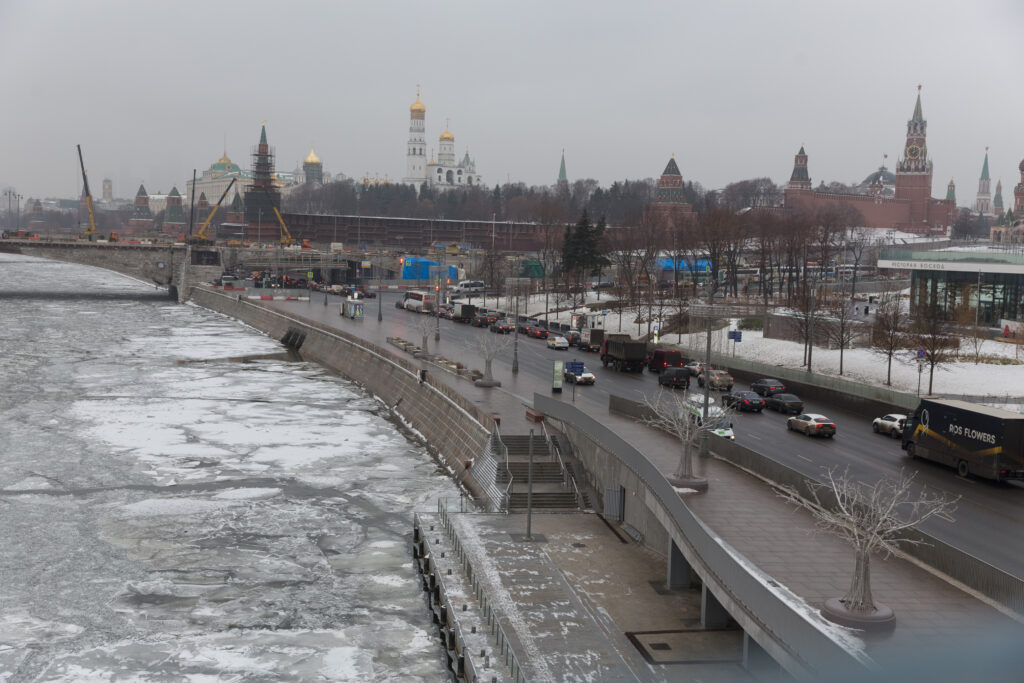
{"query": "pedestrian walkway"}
{"type": "Point", "coordinates": [578, 602]}
{"type": "Point", "coordinates": [933, 616]}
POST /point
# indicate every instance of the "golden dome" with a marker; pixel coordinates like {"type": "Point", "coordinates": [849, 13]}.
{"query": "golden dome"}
{"type": "Point", "coordinates": [224, 159]}
{"type": "Point", "coordinates": [417, 106]}
{"type": "Point", "coordinates": [312, 158]}
{"type": "Point", "coordinates": [447, 135]}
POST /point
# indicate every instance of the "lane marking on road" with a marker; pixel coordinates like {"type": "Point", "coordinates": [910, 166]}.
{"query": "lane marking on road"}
{"type": "Point", "coordinates": [804, 457]}
{"type": "Point", "coordinates": [755, 436]}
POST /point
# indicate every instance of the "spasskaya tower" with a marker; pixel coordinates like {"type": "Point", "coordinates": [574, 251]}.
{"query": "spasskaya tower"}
{"type": "Point", "coordinates": [914, 170]}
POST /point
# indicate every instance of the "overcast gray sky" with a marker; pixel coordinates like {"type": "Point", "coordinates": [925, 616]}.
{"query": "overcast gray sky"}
{"type": "Point", "coordinates": [152, 90]}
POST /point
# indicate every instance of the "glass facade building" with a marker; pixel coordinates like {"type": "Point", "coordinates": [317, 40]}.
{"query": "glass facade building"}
{"type": "Point", "coordinates": [977, 284]}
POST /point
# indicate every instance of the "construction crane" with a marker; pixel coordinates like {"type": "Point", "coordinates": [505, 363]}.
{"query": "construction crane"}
{"type": "Point", "coordinates": [286, 237]}
{"type": "Point", "coordinates": [88, 198]}
{"type": "Point", "coordinates": [201, 236]}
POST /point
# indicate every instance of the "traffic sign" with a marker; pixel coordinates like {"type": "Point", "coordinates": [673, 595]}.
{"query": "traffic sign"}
{"type": "Point", "coordinates": [921, 353]}
{"type": "Point", "coordinates": [575, 367]}
{"type": "Point", "coordinates": [739, 335]}
{"type": "Point", "coordinates": [655, 327]}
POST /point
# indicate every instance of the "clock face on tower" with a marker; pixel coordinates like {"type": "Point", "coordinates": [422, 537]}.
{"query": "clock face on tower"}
{"type": "Point", "coordinates": [913, 152]}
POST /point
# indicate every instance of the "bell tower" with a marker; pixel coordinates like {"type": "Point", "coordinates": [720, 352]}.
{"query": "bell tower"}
{"type": "Point", "coordinates": [415, 153]}
{"type": "Point", "coordinates": [914, 170]}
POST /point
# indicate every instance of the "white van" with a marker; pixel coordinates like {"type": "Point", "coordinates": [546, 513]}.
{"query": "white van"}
{"type": "Point", "coordinates": [470, 286]}
{"type": "Point", "coordinates": [718, 420]}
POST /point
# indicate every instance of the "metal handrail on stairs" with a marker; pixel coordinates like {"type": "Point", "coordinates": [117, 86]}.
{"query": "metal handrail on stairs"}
{"type": "Point", "coordinates": [566, 475]}
{"type": "Point", "coordinates": [502, 450]}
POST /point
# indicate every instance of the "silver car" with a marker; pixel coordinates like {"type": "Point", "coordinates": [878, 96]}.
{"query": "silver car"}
{"type": "Point", "coordinates": [891, 424]}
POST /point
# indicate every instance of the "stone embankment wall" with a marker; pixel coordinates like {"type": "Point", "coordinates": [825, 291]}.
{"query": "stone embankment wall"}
{"type": "Point", "coordinates": [449, 423]}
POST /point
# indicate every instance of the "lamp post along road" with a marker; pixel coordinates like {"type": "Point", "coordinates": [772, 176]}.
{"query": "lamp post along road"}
{"type": "Point", "coordinates": [514, 283]}
{"type": "Point", "coordinates": [810, 328]}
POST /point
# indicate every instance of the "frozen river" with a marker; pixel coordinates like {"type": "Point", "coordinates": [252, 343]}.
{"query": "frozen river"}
{"type": "Point", "coordinates": [179, 500]}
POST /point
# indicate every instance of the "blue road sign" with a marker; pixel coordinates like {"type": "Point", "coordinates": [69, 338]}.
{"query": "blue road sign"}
{"type": "Point", "coordinates": [575, 367]}
{"type": "Point", "coordinates": [921, 353]}
{"type": "Point", "coordinates": [738, 336]}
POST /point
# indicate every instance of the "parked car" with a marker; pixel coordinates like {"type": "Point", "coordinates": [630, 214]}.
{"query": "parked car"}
{"type": "Point", "coordinates": [573, 337]}
{"type": "Point", "coordinates": [812, 424]}
{"type": "Point", "coordinates": [891, 424]}
{"type": "Point", "coordinates": [664, 358]}
{"type": "Point", "coordinates": [784, 403]}
{"type": "Point", "coordinates": [747, 401]}
{"type": "Point", "coordinates": [675, 378]}
{"type": "Point", "coordinates": [767, 387]}
{"type": "Point", "coordinates": [537, 332]}
{"type": "Point", "coordinates": [502, 327]}
{"type": "Point", "coordinates": [585, 377]}
{"type": "Point", "coordinates": [716, 379]}
{"type": "Point", "coordinates": [558, 343]}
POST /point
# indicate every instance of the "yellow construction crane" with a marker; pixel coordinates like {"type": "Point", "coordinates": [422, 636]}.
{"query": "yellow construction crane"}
{"type": "Point", "coordinates": [88, 198]}
{"type": "Point", "coordinates": [201, 236]}
{"type": "Point", "coordinates": [286, 237]}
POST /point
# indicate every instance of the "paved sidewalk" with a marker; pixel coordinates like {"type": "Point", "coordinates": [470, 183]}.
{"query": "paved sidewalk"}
{"type": "Point", "coordinates": [933, 616]}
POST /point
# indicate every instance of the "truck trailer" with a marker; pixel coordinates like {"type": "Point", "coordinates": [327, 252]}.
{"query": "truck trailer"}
{"type": "Point", "coordinates": [971, 438]}
{"type": "Point", "coordinates": [622, 353]}
{"type": "Point", "coordinates": [463, 313]}
{"type": "Point", "coordinates": [590, 339]}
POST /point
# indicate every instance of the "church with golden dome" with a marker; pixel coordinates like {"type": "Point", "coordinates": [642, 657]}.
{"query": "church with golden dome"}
{"type": "Point", "coordinates": [444, 173]}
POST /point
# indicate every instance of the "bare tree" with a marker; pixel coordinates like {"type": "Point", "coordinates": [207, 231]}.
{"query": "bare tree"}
{"type": "Point", "coordinates": [870, 517]}
{"type": "Point", "coordinates": [672, 413]}
{"type": "Point", "coordinates": [841, 329]}
{"type": "Point", "coordinates": [858, 243]}
{"type": "Point", "coordinates": [975, 335]}
{"type": "Point", "coordinates": [425, 327]}
{"type": "Point", "coordinates": [889, 334]}
{"type": "Point", "coordinates": [928, 333]}
{"type": "Point", "coordinates": [489, 346]}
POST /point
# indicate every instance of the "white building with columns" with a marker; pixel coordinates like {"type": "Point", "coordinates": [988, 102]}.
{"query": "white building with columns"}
{"type": "Point", "coordinates": [444, 173]}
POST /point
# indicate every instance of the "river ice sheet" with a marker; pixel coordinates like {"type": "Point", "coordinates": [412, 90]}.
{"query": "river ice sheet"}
{"type": "Point", "coordinates": [181, 501]}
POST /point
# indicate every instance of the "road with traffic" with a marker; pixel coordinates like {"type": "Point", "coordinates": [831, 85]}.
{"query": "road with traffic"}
{"type": "Point", "coordinates": [989, 517]}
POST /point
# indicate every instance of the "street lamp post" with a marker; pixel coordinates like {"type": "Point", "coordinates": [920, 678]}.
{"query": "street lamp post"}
{"type": "Point", "coordinates": [259, 225]}
{"type": "Point", "coordinates": [17, 211]}
{"type": "Point", "coordinates": [380, 292]}
{"type": "Point", "coordinates": [810, 328]}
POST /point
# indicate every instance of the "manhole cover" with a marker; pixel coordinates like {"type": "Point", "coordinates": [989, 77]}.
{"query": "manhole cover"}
{"type": "Point", "coordinates": [659, 646]}
{"type": "Point", "coordinates": [579, 545]}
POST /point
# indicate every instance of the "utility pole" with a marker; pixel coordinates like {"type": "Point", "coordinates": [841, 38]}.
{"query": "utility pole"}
{"type": "Point", "coordinates": [259, 225]}
{"type": "Point", "coordinates": [380, 291]}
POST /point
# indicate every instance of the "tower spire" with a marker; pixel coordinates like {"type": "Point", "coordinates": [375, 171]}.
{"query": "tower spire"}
{"type": "Point", "coordinates": [984, 169]}
{"type": "Point", "coordinates": [562, 177]}
{"type": "Point", "coordinates": [918, 116]}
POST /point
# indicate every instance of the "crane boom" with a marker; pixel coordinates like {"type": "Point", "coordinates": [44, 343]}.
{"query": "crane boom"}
{"type": "Point", "coordinates": [201, 235]}
{"type": "Point", "coordinates": [88, 196]}
{"type": "Point", "coordinates": [286, 237]}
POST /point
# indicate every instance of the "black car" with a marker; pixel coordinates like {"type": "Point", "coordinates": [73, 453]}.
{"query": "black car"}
{"type": "Point", "coordinates": [502, 326]}
{"type": "Point", "coordinates": [674, 377]}
{"type": "Point", "coordinates": [784, 403]}
{"type": "Point", "coordinates": [573, 337]}
{"type": "Point", "coordinates": [766, 386]}
{"type": "Point", "coordinates": [480, 320]}
{"type": "Point", "coordinates": [744, 400]}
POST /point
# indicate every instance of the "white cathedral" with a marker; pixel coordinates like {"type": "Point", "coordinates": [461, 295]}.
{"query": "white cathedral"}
{"type": "Point", "coordinates": [446, 172]}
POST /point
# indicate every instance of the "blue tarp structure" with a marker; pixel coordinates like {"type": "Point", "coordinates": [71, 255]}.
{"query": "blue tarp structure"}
{"type": "Point", "coordinates": [683, 265]}
{"type": "Point", "coordinates": [416, 268]}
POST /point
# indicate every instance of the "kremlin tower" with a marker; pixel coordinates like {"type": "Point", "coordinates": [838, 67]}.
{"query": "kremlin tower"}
{"type": "Point", "coordinates": [262, 196]}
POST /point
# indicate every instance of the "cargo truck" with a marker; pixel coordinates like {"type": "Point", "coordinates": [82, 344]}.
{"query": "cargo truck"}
{"type": "Point", "coordinates": [463, 313]}
{"type": "Point", "coordinates": [623, 353]}
{"type": "Point", "coordinates": [971, 438]}
{"type": "Point", "coordinates": [590, 339]}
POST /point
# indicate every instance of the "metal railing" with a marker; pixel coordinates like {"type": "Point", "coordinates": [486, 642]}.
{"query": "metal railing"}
{"type": "Point", "coordinates": [556, 453]}
{"type": "Point", "coordinates": [491, 617]}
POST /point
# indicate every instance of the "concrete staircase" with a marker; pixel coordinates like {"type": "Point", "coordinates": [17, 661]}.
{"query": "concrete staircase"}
{"type": "Point", "coordinates": [552, 486]}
